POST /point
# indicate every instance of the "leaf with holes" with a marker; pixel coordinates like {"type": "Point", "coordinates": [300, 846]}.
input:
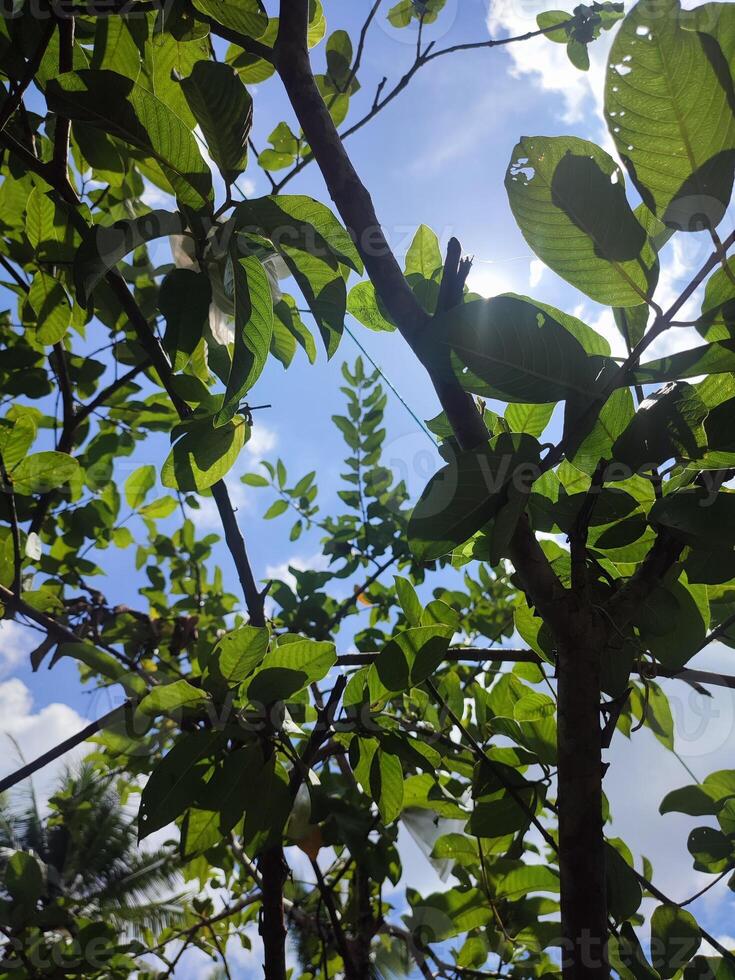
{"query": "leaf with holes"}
{"type": "Point", "coordinates": [568, 198]}
{"type": "Point", "coordinates": [671, 117]}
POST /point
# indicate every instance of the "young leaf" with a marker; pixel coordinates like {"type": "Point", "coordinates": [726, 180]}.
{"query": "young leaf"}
{"type": "Point", "coordinates": [424, 257]}
{"type": "Point", "coordinates": [138, 484]}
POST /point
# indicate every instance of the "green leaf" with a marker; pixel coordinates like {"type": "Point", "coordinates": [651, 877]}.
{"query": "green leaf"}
{"type": "Point", "coordinates": [510, 348]}
{"type": "Point", "coordinates": [405, 11]}
{"type": "Point", "coordinates": [675, 938]}
{"type": "Point", "coordinates": [531, 419]}
{"type": "Point", "coordinates": [157, 509]}
{"type": "Point", "coordinates": [627, 957]}
{"type": "Point", "coordinates": [668, 424]}
{"type": "Point", "coordinates": [623, 890]}
{"type": "Point", "coordinates": [386, 784]}
{"type": "Point", "coordinates": [184, 300]}
{"type": "Point", "coordinates": [717, 321]}
{"type": "Point", "coordinates": [467, 493]}
{"type": "Point", "coordinates": [579, 55]}
{"type": "Point", "coordinates": [238, 653]}
{"type": "Point", "coordinates": [119, 106]}
{"type": "Point", "coordinates": [277, 508]}
{"type": "Point", "coordinates": [408, 659]}
{"type": "Point", "coordinates": [300, 222]}
{"type": "Point", "coordinates": [138, 484]}
{"type": "Point", "coordinates": [204, 455]}
{"type": "Point", "coordinates": [43, 472]}
{"type": "Point", "coordinates": [697, 517]}
{"type": "Point", "coordinates": [223, 108]}
{"type": "Point", "coordinates": [176, 781]}
{"type": "Point", "coordinates": [339, 59]}
{"type": "Point", "coordinates": [290, 667]}
{"type": "Point", "coordinates": [254, 480]}
{"type": "Point", "coordinates": [409, 601]}
{"type": "Point", "coordinates": [672, 623]}
{"type": "Point", "coordinates": [551, 18]}
{"type": "Point", "coordinates": [716, 358]}
{"type": "Point", "coordinates": [323, 286]}
{"type": "Point", "coordinates": [253, 331]}
{"type": "Point", "coordinates": [106, 245]}
{"type": "Point", "coordinates": [199, 831]}
{"type": "Point", "coordinates": [50, 229]}
{"type": "Point", "coordinates": [52, 308]}
{"type": "Point", "coordinates": [424, 258]}
{"type": "Point", "coordinates": [692, 800]}
{"type": "Point", "coordinates": [246, 16]}
{"type": "Point", "coordinates": [23, 878]}
{"type": "Point", "coordinates": [568, 198]}
{"type": "Point", "coordinates": [16, 438]}
{"type": "Point", "coordinates": [668, 112]}
{"type": "Point", "coordinates": [364, 304]}
{"type": "Point", "coordinates": [167, 698]}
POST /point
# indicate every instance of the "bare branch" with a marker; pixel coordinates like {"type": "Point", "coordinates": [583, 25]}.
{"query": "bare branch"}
{"type": "Point", "coordinates": [66, 746]}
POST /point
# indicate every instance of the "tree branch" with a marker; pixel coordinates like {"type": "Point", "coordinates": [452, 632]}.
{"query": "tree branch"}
{"type": "Point", "coordinates": [380, 102]}
{"type": "Point", "coordinates": [356, 208]}
{"type": "Point", "coordinates": [63, 747]}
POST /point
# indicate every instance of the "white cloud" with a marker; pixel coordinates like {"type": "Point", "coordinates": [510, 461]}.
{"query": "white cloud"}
{"type": "Point", "coordinates": [35, 734]}
{"type": "Point", "coordinates": [155, 197]}
{"type": "Point", "coordinates": [16, 643]}
{"type": "Point", "coordinates": [604, 323]}
{"type": "Point", "coordinates": [262, 440]}
{"type": "Point", "coordinates": [546, 61]}
{"type": "Point", "coordinates": [536, 271]}
{"type": "Point", "coordinates": [207, 516]}
{"type": "Point", "coordinates": [313, 563]}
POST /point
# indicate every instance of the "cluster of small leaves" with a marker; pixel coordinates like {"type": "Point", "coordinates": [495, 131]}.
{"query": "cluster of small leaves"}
{"type": "Point", "coordinates": [586, 25]}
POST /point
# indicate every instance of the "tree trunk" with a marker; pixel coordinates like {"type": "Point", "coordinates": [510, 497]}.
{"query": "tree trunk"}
{"type": "Point", "coordinates": [581, 839]}
{"type": "Point", "coordinates": [274, 871]}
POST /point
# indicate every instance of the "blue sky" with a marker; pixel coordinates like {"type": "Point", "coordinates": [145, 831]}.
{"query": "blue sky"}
{"type": "Point", "coordinates": [437, 156]}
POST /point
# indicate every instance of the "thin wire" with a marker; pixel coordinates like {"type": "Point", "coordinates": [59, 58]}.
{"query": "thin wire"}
{"type": "Point", "coordinates": [392, 387]}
